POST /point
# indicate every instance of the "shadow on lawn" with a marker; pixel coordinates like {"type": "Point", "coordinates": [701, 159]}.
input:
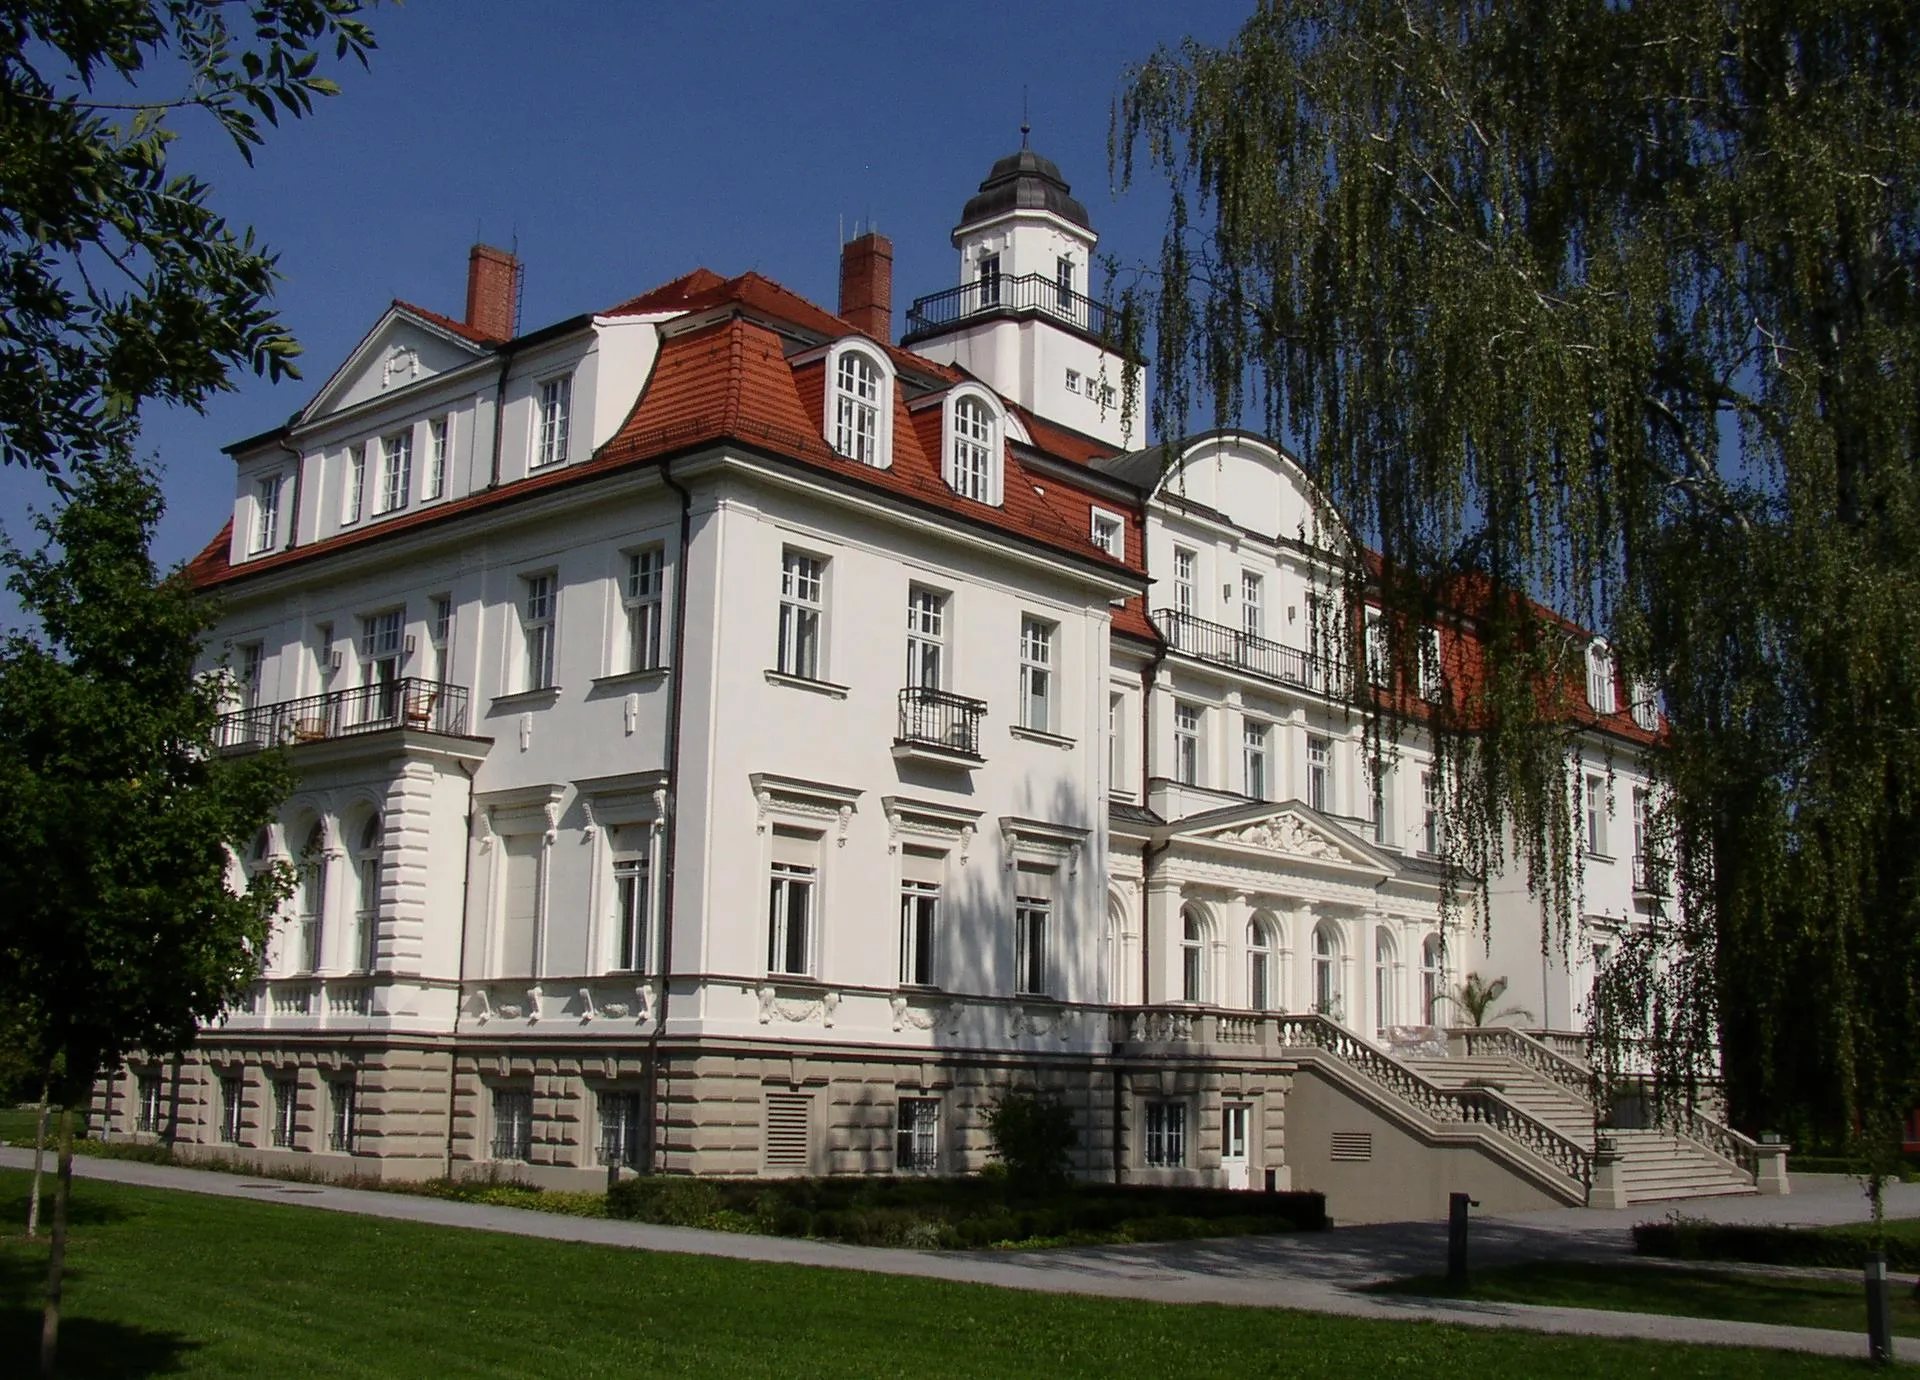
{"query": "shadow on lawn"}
{"type": "Point", "coordinates": [88, 1346]}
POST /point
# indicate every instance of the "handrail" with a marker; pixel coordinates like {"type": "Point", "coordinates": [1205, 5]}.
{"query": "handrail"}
{"type": "Point", "coordinates": [432, 706]}
{"type": "Point", "coordinates": [1006, 294]}
{"type": "Point", "coordinates": [1723, 1141]}
{"type": "Point", "coordinates": [1523, 1048]}
{"type": "Point", "coordinates": [940, 718]}
{"type": "Point", "coordinates": [1226, 646]}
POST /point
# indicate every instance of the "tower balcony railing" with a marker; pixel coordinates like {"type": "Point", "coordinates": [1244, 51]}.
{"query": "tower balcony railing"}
{"type": "Point", "coordinates": [1225, 646]}
{"type": "Point", "coordinates": [430, 706]}
{"type": "Point", "coordinates": [1026, 294]}
{"type": "Point", "coordinates": [940, 719]}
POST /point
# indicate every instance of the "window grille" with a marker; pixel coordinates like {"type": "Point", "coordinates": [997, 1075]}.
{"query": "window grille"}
{"type": "Point", "coordinates": [147, 1114]}
{"type": "Point", "coordinates": [789, 1138]}
{"type": "Point", "coordinates": [232, 1108]}
{"type": "Point", "coordinates": [620, 1128]}
{"type": "Point", "coordinates": [1166, 1141]}
{"type": "Point", "coordinates": [512, 1124]}
{"type": "Point", "coordinates": [917, 1136]}
{"type": "Point", "coordinates": [346, 1119]}
{"type": "Point", "coordinates": [286, 1111]}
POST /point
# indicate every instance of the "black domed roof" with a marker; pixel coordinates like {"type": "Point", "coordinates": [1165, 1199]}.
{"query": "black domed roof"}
{"type": "Point", "coordinates": [1024, 181]}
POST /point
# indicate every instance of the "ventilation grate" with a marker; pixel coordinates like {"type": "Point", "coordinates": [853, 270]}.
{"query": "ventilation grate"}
{"type": "Point", "coordinates": [1353, 1146]}
{"type": "Point", "coordinates": [788, 1140]}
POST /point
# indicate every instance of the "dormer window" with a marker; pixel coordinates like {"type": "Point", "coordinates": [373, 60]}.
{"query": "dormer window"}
{"type": "Point", "coordinates": [1110, 533]}
{"type": "Point", "coordinates": [859, 411]}
{"type": "Point", "coordinates": [556, 413]}
{"type": "Point", "coordinates": [1646, 705]}
{"type": "Point", "coordinates": [266, 514]}
{"type": "Point", "coordinates": [1600, 677]}
{"type": "Point", "coordinates": [973, 447]}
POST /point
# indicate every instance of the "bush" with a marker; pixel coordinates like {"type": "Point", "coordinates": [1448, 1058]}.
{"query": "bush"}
{"type": "Point", "coordinates": [1033, 1136]}
{"type": "Point", "coordinates": [1840, 1248]}
{"type": "Point", "coordinates": [670, 1200]}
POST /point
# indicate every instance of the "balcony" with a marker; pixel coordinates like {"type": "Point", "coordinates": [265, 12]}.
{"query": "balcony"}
{"type": "Point", "coordinates": [1030, 294]}
{"type": "Point", "coordinates": [1651, 875]}
{"type": "Point", "coordinates": [1225, 646]}
{"type": "Point", "coordinates": [428, 706]}
{"type": "Point", "coordinates": [939, 726]}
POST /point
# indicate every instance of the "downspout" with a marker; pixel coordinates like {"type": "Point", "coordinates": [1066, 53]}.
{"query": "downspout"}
{"type": "Point", "coordinates": [499, 413]}
{"type": "Point", "coordinates": [670, 847]}
{"type": "Point", "coordinates": [460, 971]}
{"type": "Point", "coordinates": [293, 515]}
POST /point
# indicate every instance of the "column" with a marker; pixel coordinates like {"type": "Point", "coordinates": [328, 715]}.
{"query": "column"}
{"type": "Point", "coordinates": [1160, 931]}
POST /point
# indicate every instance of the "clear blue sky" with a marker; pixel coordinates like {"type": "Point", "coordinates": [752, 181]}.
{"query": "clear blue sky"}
{"type": "Point", "coordinates": [623, 143]}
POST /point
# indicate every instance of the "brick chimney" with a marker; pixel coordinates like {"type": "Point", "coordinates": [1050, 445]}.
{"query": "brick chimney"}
{"type": "Point", "coordinates": [493, 281]}
{"type": "Point", "coordinates": [866, 284]}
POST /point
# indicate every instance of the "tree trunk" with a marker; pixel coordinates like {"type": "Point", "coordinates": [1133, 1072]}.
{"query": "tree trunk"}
{"type": "Point", "coordinates": [39, 1153]}
{"type": "Point", "coordinates": [62, 1189]}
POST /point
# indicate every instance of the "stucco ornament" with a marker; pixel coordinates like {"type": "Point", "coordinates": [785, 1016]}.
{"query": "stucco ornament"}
{"type": "Point", "coordinates": [1285, 834]}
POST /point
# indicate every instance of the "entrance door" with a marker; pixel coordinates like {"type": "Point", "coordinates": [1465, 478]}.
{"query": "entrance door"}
{"type": "Point", "coordinates": [1233, 1144]}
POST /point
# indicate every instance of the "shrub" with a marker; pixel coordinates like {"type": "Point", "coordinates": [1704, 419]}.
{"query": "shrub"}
{"type": "Point", "coordinates": [669, 1199]}
{"type": "Point", "coordinates": [1844, 1248]}
{"type": "Point", "coordinates": [1033, 1136]}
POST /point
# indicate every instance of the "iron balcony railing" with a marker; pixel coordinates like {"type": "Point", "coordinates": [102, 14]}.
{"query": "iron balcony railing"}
{"type": "Point", "coordinates": [1650, 875]}
{"type": "Point", "coordinates": [1027, 293]}
{"type": "Point", "coordinates": [940, 719]}
{"type": "Point", "coordinates": [1225, 646]}
{"type": "Point", "coordinates": [431, 705]}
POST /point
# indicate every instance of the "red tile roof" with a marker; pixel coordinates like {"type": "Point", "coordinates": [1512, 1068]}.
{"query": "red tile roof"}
{"type": "Point", "coordinates": [447, 323]}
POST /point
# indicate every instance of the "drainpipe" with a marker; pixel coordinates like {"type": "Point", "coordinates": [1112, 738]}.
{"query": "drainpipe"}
{"type": "Point", "coordinates": [499, 413]}
{"type": "Point", "coordinates": [293, 515]}
{"type": "Point", "coordinates": [460, 971]}
{"type": "Point", "coordinates": [670, 847]}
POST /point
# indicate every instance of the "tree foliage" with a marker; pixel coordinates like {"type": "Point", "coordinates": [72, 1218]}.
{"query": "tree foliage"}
{"type": "Point", "coordinates": [1033, 1137]}
{"type": "Point", "coordinates": [1612, 305]}
{"type": "Point", "coordinates": [119, 282]}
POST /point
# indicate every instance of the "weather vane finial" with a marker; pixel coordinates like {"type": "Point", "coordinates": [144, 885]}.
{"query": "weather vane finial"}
{"type": "Point", "coordinates": [1025, 127]}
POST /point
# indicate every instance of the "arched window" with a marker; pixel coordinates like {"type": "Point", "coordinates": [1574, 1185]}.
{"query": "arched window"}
{"type": "Point", "coordinates": [1259, 965]}
{"type": "Point", "coordinates": [366, 914]}
{"type": "Point", "coordinates": [1433, 978]}
{"type": "Point", "coordinates": [1386, 1013]}
{"type": "Point", "coordinates": [1193, 957]}
{"type": "Point", "coordinates": [858, 415]}
{"type": "Point", "coordinates": [1110, 952]}
{"type": "Point", "coordinates": [311, 908]}
{"type": "Point", "coordinates": [971, 448]}
{"type": "Point", "coordinates": [1646, 704]}
{"type": "Point", "coordinates": [1326, 974]}
{"type": "Point", "coordinates": [1600, 677]}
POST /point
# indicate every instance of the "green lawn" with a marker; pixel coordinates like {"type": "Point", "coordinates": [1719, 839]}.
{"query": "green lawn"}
{"type": "Point", "coordinates": [1741, 1297]}
{"type": "Point", "coordinates": [16, 1125]}
{"type": "Point", "coordinates": [168, 1283]}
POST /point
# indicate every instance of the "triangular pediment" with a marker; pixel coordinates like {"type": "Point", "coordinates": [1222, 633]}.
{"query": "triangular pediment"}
{"type": "Point", "coordinates": [1291, 831]}
{"type": "Point", "coordinates": [401, 350]}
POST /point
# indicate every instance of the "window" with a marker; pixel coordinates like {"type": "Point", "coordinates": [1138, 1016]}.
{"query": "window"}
{"type": "Point", "coordinates": [396, 470]}
{"type": "Point", "coordinates": [802, 604]}
{"type": "Point", "coordinates": [440, 638]}
{"type": "Point", "coordinates": [252, 656]}
{"type": "Point", "coordinates": [1036, 675]}
{"type": "Point", "coordinates": [856, 408]}
{"type": "Point", "coordinates": [1646, 704]}
{"type": "Point", "coordinates": [1063, 282]}
{"type": "Point", "coordinates": [232, 1107]}
{"type": "Point", "coordinates": [1073, 380]}
{"type": "Point", "coordinates": [346, 1119]}
{"type": "Point", "coordinates": [536, 627]}
{"type": "Point", "coordinates": [286, 1112]}
{"type": "Point", "coordinates": [380, 649]}
{"type": "Point", "coordinates": [633, 912]}
{"type": "Point", "coordinates": [512, 1124]}
{"type": "Point", "coordinates": [1432, 676]}
{"type": "Point", "coordinates": [355, 495]}
{"type": "Point", "coordinates": [1253, 757]}
{"type": "Point", "coordinates": [1116, 763]}
{"type": "Point", "coordinates": [1379, 669]}
{"type": "Point", "coordinates": [989, 280]}
{"type": "Point", "coordinates": [266, 514]}
{"type": "Point", "coordinates": [520, 904]}
{"type": "Point", "coordinates": [1642, 804]}
{"type": "Point", "coordinates": [1379, 793]}
{"type": "Point", "coordinates": [1110, 534]}
{"type": "Point", "coordinates": [1386, 1011]}
{"type": "Point", "coordinates": [312, 899]}
{"type": "Point", "coordinates": [1186, 743]}
{"type": "Point", "coordinates": [1429, 813]}
{"type": "Point", "coordinates": [1033, 905]}
{"type": "Point", "coordinates": [1433, 977]}
{"type": "Point", "coordinates": [646, 571]}
{"type": "Point", "coordinates": [970, 461]}
{"type": "Point", "coordinates": [1183, 598]}
{"type": "Point", "coordinates": [437, 432]}
{"type": "Point", "coordinates": [926, 634]}
{"type": "Point", "coordinates": [1326, 974]}
{"type": "Point", "coordinates": [147, 1110]}
{"type": "Point", "coordinates": [366, 917]}
{"type": "Point", "coordinates": [1252, 622]}
{"type": "Point", "coordinates": [1595, 789]}
{"type": "Point", "coordinates": [1600, 677]}
{"type": "Point", "coordinates": [556, 408]}
{"type": "Point", "coordinates": [1317, 794]}
{"type": "Point", "coordinates": [620, 1128]}
{"type": "Point", "coordinates": [916, 1144]}
{"type": "Point", "coordinates": [1166, 1146]}
{"type": "Point", "coordinates": [919, 916]}
{"type": "Point", "coordinates": [1259, 965]}
{"type": "Point", "coordinates": [790, 905]}
{"type": "Point", "coordinates": [1193, 957]}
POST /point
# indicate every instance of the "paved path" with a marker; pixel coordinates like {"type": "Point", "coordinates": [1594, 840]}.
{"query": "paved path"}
{"type": "Point", "coordinates": [1314, 1271]}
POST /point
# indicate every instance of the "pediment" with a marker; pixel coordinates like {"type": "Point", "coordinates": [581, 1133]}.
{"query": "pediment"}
{"type": "Point", "coordinates": [1297, 834]}
{"type": "Point", "coordinates": [401, 350]}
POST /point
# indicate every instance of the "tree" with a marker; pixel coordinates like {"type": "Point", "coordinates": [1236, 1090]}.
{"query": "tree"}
{"type": "Point", "coordinates": [1611, 309]}
{"type": "Point", "coordinates": [125, 922]}
{"type": "Point", "coordinates": [120, 283]}
{"type": "Point", "coordinates": [1475, 996]}
{"type": "Point", "coordinates": [1033, 1137]}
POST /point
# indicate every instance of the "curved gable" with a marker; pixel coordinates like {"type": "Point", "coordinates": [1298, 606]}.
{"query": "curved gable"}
{"type": "Point", "coordinates": [1254, 485]}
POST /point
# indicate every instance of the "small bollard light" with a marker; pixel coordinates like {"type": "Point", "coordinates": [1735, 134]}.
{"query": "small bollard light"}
{"type": "Point", "coordinates": [1879, 1311]}
{"type": "Point", "coordinates": [1457, 1205]}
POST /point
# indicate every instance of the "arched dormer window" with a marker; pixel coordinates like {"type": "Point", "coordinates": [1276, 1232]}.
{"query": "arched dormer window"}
{"type": "Point", "coordinates": [974, 445]}
{"type": "Point", "coordinates": [860, 405]}
{"type": "Point", "coordinates": [1600, 676]}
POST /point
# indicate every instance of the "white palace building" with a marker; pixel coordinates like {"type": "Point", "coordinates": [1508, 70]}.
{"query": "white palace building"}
{"type": "Point", "coordinates": [731, 742]}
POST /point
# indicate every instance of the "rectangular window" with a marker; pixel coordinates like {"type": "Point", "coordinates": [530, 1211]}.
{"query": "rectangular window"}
{"type": "Point", "coordinates": [1110, 534]}
{"type": "Point", "coordinates": [1032, 907]}
{"type": "Point", "coordinates": [266, 514]}
{"type": "Point", "coordinates": [1253, 738]}
{"type": "Point", "coordinates": [1596, 815]}
{"type": "Point", "coordinates": [919, 931]}
{"type": "Point", "coordinates": [252, 657]}
{"type": "Point", "coordinates": [1432, 682]}
{"type": "Point", "coordinates": [1186, 743]}
{"type": "Point", "coordinates": [147, 1109]}
{"type": "Point", "coordinates": [380, 635]}
{"type": "Point", "coordinates": [856, 408]}
{"type": "Point", "coordinates": [1379, 798]}
{"type": "Point", "coordinates": [556, 408]}
{"type": "Point", "coordinates": [1166, 1142]}
{"type": "Point", "coordinates": [286, 1112]}
{"type": "Point", "coordinates": [346, 1119]}
{"type": "Point", "coordinates": [642, 598]}
{"type": "Point", "coordinates": [926, 638]}
{"type": "Point", "coordinates": [989, 280]}
{"type": "Point", "coordinates": [512, 1124]}
{"type": "Point", "coordinates": [355, 495]}
{"type": "Point", "coordinates": [437, 433]}
{"type": "Point", "coordinates": [396, 470]}
{"type": "Point", "coordinates": [1063, 282]}
{"type": "Point", "coordinates": [1116, 742]}
{"type": "Point", "coordinates": [1183, 595]}
{"type": "Point", "coordinates": [633, 912]}
{"type": "Point", "coordinates": [790, 910]}
{"type": "Point", "coordinates": [917, 1136]}
{"type": "Point", "coordinates": [620, 1128]}
{"type": "Point", "coordinates": [802, 608]}
{"type": "Point", "coordinates": [1036, 675]}
{"type": "Point", "coordinates": [1317, 753]}
{"type": "Point", "coordinates": [440, 638]}
{"type": "Point", "coordinates": [1378, 667]}
{"type": "Point", "coordinates": [232, 1108]}
{"type": "Point", "coordinates": [1252, 616]}
{"type": "Point", "coordinates": [1429, 812]}
{"type": "Point", "coordinates": [536, 626]}
{"type": "Point", "coordinates": [1073, 380]}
